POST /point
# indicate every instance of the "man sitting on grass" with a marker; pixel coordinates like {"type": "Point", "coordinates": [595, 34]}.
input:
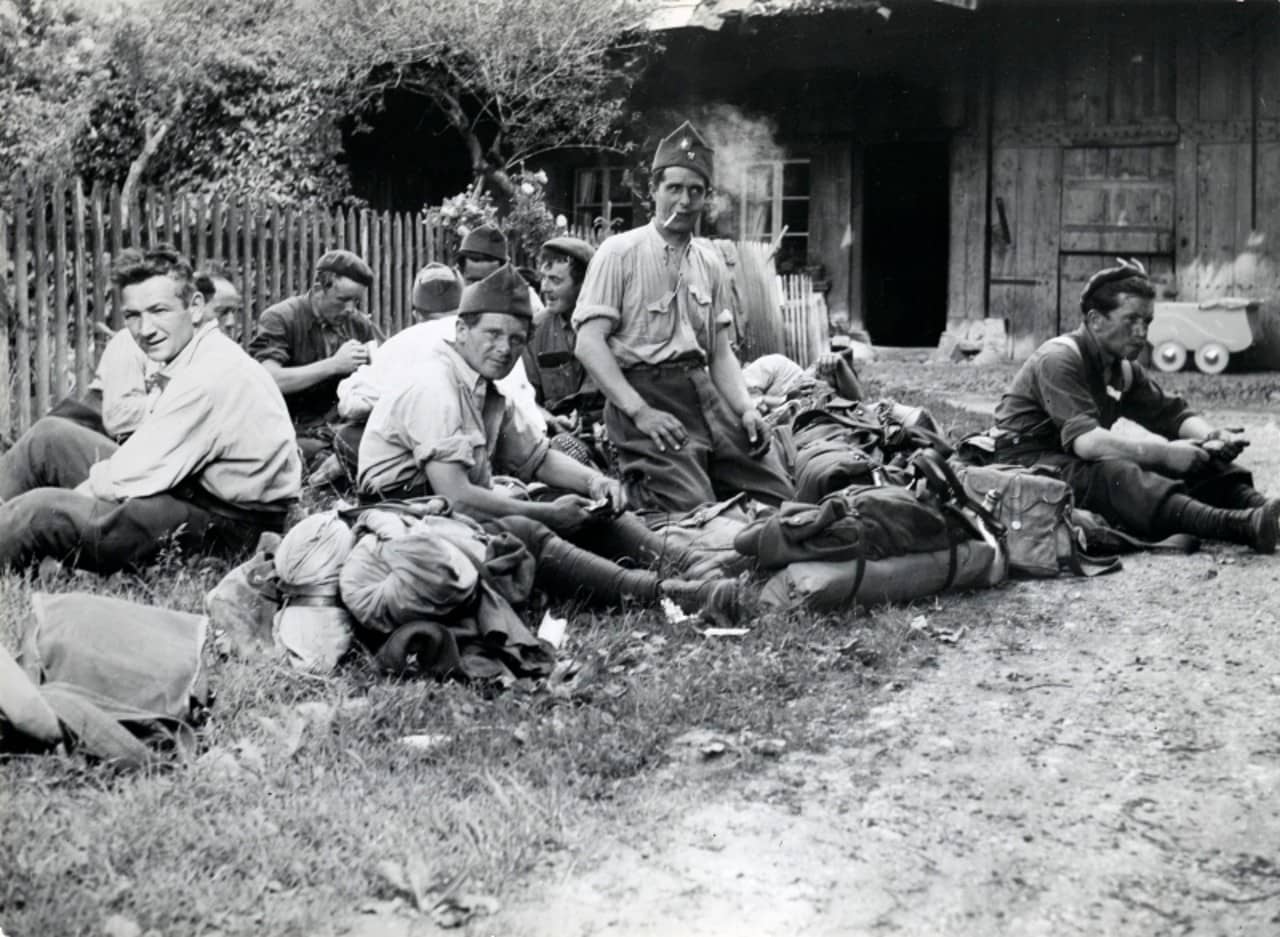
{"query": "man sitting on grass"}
{"type": "Point", "coordinates": [212, 464]}
{"type": "Point", "coordinates": [1062, 404]}
{"type": "Point", "coordinates": [447, 431]}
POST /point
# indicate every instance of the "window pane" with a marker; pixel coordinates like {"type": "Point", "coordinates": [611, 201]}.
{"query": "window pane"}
{"type": "Point", "coordinates": [621, 219]}
{"type": "Point", "coordinates": [588, 189]}
{"type": "Point", "coordinates": [795, 215]}
{"type": "Point", "coordinates": [795, 179]}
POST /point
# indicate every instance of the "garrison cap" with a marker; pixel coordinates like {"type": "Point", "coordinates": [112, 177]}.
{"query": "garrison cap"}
{"type": "Point", "coordinates": [1127, 269]}
{"type": "Point", "coordinates": [573, 247]}
{"type": "Point", "coordinates": [437, 290]}
{"type": "Point", "coordinates": [345, 264]}
{"type": "Point", "coordinates": [503, 291]}
{"type": "Point", "coordinates": [684, 147]}
{"type": "Point", "coordinates": [486, 240]}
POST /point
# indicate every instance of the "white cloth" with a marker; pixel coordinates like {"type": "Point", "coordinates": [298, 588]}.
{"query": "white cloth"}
{"type": "Point", "coordinates": [123, 375]}
{"type": "Point", "coordinates": [398, 360]}
{"type": "Point", "coordinates": [220, 419]}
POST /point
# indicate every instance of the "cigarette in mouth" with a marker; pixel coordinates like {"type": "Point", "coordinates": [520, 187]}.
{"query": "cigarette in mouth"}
{"type": "Point", "coordinates": [671, 218]}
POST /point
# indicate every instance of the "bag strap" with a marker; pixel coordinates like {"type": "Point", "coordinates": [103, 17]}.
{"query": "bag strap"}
{"type": "Point", "coordinates": [1126, 366]}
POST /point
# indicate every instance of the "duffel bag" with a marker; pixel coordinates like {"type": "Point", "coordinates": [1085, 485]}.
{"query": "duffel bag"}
{"type": "Point", "coordinates": [1034, 506]}
{"type": "Point", "coordinates": [829, 586]}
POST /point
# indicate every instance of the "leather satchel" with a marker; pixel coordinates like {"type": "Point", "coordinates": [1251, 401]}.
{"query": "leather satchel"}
{"type": "Point", "coordinates": [1035, 508]}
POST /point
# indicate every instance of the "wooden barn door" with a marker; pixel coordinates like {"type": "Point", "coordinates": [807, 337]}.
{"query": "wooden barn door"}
{"type": "Point", "coordinates": [1117, 201]}
{"type": "Point", "coordinates": [1026, 194]}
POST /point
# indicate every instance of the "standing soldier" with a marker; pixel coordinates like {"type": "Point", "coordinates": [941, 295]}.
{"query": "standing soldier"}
{"type": "Point", "coordinates": [653, 334]}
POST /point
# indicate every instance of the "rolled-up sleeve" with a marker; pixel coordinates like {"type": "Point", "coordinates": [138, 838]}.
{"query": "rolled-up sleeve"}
{"type": "Point", "coordinates": [430, 416]}
{"type": "Point", "coordinates": [603, 288]}
{"type": "Point", "coordinates": [1066, 399]}
{"type": "Point", "coordinates": [271, 340]}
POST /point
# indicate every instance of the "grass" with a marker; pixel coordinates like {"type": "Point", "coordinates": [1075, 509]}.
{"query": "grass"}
{"type": "Point", "coordinates": [306, 798]}
{"type": "Point", "coordinates": [305, 793]}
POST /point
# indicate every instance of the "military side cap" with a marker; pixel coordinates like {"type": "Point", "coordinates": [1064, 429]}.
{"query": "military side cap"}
{"type": "Point", "coordinates": [345, 264]}
{"type": "Point", "coordinates": [684, 147]}
{"type": "Point", "coordinates": [573, 247]}
{"type": "Point", "coordinates": [486, 240]}
{"type": "Point", "coordinates": [503, 291]}
{"type": "Point", "coordinates": [437, 289]}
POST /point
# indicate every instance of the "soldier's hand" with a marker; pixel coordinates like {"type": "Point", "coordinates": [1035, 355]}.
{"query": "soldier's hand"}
{"type": "Point", "coordinates": [665, 430]}
{"type": "Point", "coordinates": [568, 513]}
{"type": "Point", "coordinates": [603, 487]}
{"type": "Point", "coordinates": [349, 356]}
{"type": "Point", "coordinates": [1184, 456]}
{"type": "Point", "coordinates": [754, 425]}
{"type": "Point", "coordinates": [825, 366]}
{"type": "Point", "coordinates": [1226, 443]}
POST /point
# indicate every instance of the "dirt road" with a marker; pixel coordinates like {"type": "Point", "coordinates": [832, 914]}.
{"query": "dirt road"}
{"type": "Point", "coordinates": [1103, 758]}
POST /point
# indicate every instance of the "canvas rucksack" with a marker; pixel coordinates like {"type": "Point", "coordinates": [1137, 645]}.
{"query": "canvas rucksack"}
{"type": "Point", "coordinates": [1035, 508]}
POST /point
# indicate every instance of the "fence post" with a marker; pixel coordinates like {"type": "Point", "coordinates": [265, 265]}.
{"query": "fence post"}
{"type": "Point", "coordinates": [101, 258]}
{"type": "Point", "coordinates": [84, 356]}
{"type": "Point", "coordinates": [247, 277]}
{"type": "Point", "coordinates": [60, 351]}
{"type": "Point", "coordinates": [39, 206]}
{"type": "Point", "coordinates": [21, 285]}
{"type": "Point", "coordinates": [5, 377]}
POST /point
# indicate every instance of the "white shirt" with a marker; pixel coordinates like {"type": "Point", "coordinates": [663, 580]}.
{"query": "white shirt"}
{"type": "Point", "coordinates": [219, 419]}
{"type": "Point", "coordinates": [398, 360]}
{"type": "Point", "coordinates": [123, 374]}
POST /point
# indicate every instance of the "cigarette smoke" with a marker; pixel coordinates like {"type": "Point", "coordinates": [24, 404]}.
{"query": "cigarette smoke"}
{"type": "Point", "coordinates": [739, 141]}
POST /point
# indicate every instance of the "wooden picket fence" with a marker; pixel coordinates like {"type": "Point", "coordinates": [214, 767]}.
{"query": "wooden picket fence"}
{"type": "Point", "coordinates": [58, 239]}
{"type": "Point", "coordinates": [805, 331]}
{"type": "Point", "coordinates": [57, 244]}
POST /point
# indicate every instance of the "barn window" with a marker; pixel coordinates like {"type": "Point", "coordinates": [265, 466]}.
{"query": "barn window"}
{"type": "Point", "coordinates": [602, 198]}
{"type": "Point", "coordinates": [775, 203]}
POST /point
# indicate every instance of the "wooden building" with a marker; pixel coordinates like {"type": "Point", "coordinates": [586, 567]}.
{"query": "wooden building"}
{"type": "Point", "coordinates": [959, 159]}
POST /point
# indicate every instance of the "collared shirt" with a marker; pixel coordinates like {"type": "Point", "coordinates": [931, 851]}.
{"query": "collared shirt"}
{"type": "Point", "coordinates": [555, 373]}
{"type": "Point", "coordinates": [292, 334]}
{"type": "Point", "coordinates": [219, 421]}
{"type": "Point", "coordinates": [772, 376]}
{"type": "Point", "coordinates": [398, 360]}
{"type": "Point", "coordinates": [124, 377]}
{"type": "Point", "coordinates": [662, 301]}
{"type": "Point", "coordinates": [449, 413]}
{"type": "Point", "coordinates": [1058, 395]}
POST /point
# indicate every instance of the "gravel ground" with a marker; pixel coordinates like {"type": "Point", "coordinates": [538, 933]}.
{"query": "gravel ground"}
{"type": "Point", "coordinates": [1098, 758]}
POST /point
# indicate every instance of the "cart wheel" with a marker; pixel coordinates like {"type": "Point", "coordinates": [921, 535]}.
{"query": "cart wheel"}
{"type": "Point", "coordinates": [1170, 356]}
{"type": "Point", "coordinates": [1212, 358]}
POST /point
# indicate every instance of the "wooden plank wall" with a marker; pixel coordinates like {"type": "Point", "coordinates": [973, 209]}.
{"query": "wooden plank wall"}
{"type": "Point", "coordinates": [1194, 92]}
{"type": "Point", "coordinates": [830, 207]}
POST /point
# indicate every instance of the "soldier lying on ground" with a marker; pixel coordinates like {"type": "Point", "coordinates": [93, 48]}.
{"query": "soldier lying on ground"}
{"type": "Point", "coordinates": [772, 379]}
{"type": "Point", "coordinates": [446, 432]}
{"type": "Point", "coordinates": [1062, 404]}
{"type": "Point", "coordinates": [213, 464]}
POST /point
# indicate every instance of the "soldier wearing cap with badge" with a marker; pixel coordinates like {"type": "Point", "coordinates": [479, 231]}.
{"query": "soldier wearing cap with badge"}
{"type": "Point", "coordinates": [309, 343]}
{"type": "Point", "coordinates": [1062, 404]}
{"type": "Point", "coordinates": [653, 333]}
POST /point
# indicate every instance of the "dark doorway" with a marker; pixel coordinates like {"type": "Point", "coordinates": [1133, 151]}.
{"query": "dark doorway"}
{"type": "Point", "coordinates": [905, 238]}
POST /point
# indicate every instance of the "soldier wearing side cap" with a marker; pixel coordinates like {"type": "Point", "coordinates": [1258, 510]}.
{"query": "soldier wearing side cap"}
{"type": "Point", "coordinates": [482, 251]}
{"type": "Point", "coordinates": [1062, 404]}
{"type": "Point", "coordinates": [448, 431]}
{"type": "Point", "coordinates": [437, 293]}
{"type": "Point", "coordinates": [653, 333]}
{"type": "Point", "coordinates": [309, 343]}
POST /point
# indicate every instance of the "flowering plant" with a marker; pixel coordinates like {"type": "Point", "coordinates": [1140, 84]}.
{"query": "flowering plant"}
{"type": "Point", "coordinates": [462, 214]}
